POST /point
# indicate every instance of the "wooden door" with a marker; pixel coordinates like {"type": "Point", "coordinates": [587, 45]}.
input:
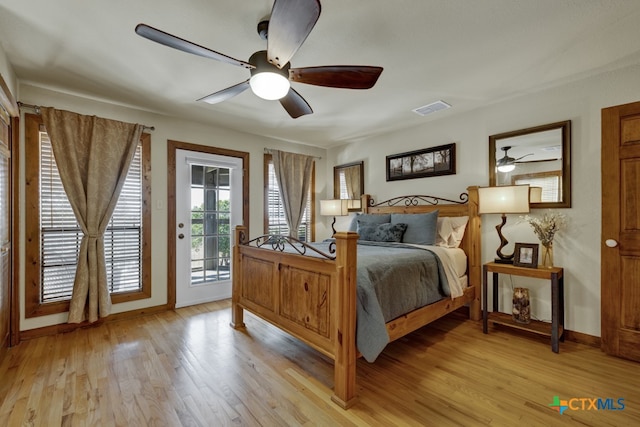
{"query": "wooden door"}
{"type": "Point", "coordinates": [620, 246]}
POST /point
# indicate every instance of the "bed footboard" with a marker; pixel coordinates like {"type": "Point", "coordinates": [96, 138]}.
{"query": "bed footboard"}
{"type": "Point", "coordinates": [312, 298]}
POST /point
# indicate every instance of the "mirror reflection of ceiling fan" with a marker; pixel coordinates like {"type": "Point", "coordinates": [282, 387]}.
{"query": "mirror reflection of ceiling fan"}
{"type": "Point", "coordinates": [507, 163]}
{"type": "Point", "coordinates": [286, 29]}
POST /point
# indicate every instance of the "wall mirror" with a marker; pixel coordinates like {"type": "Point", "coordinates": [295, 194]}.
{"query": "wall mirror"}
{"type": "Point", "coordinates": [348, 183]}
{"type": "Point", "coordinates": [538, 156]}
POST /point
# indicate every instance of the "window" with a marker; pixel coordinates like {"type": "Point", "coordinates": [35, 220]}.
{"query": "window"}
{"type": "Point", "coordinates": [210, 224]}
{"type": "Point", "coordinates": [274, 217]}
{"type": "Point", "coordinates": [53, 234]}
{"type": "Point", "coordinates": [551, 183]}
{"type": "Point", "coordinates": [342, 179]}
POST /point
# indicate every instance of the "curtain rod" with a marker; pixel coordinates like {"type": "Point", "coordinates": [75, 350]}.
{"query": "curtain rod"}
{"type": "Point", "coordinates": [269, 150]}
{"type": "Point", "coordinates": [36, 108]}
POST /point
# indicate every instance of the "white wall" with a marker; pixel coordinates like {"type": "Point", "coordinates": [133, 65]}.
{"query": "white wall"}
{"type": "Point", "coordinates": [6, 71]}
{"type": "Point", "coordinates": [577, 248]}
{"type": "Point", "coordinates": [7, 74]}
{"type": "Point", "coordinates": [165, 128]}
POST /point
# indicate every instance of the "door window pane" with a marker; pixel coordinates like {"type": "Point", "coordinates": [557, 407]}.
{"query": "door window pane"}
{"type": "Point", "coordinates": [210, 230]}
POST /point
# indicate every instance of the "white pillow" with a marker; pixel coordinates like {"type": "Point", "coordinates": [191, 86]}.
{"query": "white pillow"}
{"type": "Point", "coordinates": [450, 231]}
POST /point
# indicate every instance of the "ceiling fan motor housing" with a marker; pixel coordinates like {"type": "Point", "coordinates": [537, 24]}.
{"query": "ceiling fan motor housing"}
{"type": "Point", "coordinates": [268, 81]}
{"type": "Point", "coordinates": [262, 64]}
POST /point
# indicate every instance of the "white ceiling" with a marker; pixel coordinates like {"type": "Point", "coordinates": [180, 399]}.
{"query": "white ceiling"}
{"type": "Point", "coordinates": [468, 53]}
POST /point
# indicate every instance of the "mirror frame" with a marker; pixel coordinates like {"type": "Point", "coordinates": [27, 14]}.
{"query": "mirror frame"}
{"type": "Point", "coordinates": [565, 127]}
{"type": "Point", "coordinates": [336, 180]}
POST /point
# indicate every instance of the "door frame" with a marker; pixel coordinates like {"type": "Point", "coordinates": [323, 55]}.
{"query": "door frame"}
{"type": "Point", "coordinates": [172, 146]}
{"type": "Point", "coordinates": [10, 105]}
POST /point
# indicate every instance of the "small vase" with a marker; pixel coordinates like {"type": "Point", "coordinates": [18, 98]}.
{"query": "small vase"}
{"type": "Point", "coordinates": [521, 306]}
{"type": "Point", "coordinates": [547, 255]}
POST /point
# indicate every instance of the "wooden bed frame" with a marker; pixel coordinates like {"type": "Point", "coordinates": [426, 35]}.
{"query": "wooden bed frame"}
{"type": "Point", "coordinates": [314, 297]}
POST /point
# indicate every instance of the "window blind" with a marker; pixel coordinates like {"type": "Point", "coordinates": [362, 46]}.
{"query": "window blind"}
{"type": "Point", "coordinates": [61, 235]}
{"type": "Point", "coordinates": [551, 186]}
{"type": "Point", "coordinates": [344, 193]}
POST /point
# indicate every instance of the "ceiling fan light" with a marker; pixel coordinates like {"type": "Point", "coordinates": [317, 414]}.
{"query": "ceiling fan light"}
{"type": "Point", "coordinates": [269, 86]}
{"type": "Point", "coordinates": [507, 168]}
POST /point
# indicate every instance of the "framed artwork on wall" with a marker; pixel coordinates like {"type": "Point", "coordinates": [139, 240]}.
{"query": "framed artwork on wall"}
{"type": "Point", "coordinates": [434, 161]}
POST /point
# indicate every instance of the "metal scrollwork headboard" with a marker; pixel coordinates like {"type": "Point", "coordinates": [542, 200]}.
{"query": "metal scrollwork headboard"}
{"type": "Point", "coordinates": [415, 200]}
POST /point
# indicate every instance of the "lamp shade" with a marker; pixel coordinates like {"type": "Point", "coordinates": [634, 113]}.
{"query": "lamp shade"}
{"type": "Point", "coordinates": [334, 207]}
{"type": "Point", "coordinates": [504, 199]}
{"type": "Point", "coordinates": [535, 194]}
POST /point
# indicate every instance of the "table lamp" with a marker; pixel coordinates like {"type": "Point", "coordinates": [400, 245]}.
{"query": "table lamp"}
{"type": "Point", "coordinates": [503, 200]}
{"type": "Point", "coordinates": [335, 207]}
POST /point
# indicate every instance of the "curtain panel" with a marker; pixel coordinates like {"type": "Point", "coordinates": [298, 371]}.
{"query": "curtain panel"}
{"type": "Point", "coordinates": [352, 180]}
{"type": "Point", "coordinates": [93, 155]}
{"type": "Point", "coordinates": [293, 172]}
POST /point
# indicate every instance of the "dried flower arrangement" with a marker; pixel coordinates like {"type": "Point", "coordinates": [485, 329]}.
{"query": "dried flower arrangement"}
{"type": "Point", "coordinates": [547, 226]}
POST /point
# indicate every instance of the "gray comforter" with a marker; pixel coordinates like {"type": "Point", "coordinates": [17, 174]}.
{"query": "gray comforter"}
{"type": "Point", "coordinates": [393, 279]}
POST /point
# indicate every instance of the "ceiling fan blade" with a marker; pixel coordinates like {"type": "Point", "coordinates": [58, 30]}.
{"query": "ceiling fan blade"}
{"type": "Point", "coordinates": [522, 157]}
{"type": "Point", "coordinates": [170, 40]}
{"type": "Point", "coordinates": [290, 23]}
{"type": "Point", "coordinates": [295, 104]}
{"type": "Point", "coordinates": [340, 76]}
{"type": "Point", "coordinates": [225, 94]}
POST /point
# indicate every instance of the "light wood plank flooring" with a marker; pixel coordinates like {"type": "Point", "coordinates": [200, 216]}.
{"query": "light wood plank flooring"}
{"type": "Point", "coordinates": [190, 368]}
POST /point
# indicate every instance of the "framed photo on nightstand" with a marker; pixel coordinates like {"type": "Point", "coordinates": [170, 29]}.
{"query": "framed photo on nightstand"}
{"type": "Point", "coordinates": [526, 255]}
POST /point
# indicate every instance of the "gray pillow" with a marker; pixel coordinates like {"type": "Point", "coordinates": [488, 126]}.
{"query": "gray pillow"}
{"type": "Point", "coordinates": [382, 232]}
{"type": "Point", "coordinates": [369, 219]}
{"type": "Point", "coordinates": [421, 228]}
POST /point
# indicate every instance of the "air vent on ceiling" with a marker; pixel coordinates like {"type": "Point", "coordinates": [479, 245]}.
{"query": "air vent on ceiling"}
{"type": "Point", "coordinates": [431, 108]}
{"type": "Point", "coordinates": [552, 148]}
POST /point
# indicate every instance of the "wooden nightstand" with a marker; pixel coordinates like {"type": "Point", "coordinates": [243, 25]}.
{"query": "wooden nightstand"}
{"type": "Point", "coordinates": [555, 330]}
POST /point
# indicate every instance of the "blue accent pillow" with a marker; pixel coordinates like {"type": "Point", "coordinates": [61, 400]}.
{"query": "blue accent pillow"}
{"type": "Point", "coordinates": [382, 232]}
{"type": "Point", "coordinates": [421, 228]}
{"type": "Point", "coordinates": [369, 219]}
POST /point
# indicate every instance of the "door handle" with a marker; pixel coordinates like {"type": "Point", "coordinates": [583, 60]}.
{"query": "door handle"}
{"type": "Point", "coordinates": [180, 236]}
{"type": "Point", "coordinates": [611, 243]}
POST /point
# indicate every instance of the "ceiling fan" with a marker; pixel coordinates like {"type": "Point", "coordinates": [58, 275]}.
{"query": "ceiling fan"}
{"type": "Point", "coordinates": [287, 28]}
{"type": "Point", "coordinates": [507, 163]}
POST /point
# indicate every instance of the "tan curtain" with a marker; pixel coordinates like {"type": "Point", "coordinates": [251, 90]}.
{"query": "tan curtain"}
{"type": "Point", "coordinates": [93, 156]}
{"type": "Point", "coordinates": [293, 172]}
{"type": "Point", "coordinates": [352, 179]}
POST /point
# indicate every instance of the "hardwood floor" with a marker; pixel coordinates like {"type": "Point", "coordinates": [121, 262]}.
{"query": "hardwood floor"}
{"type": "Point", "coordinates": [190, 368]}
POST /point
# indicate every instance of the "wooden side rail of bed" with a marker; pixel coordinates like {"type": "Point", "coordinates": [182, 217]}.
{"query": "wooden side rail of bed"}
{"type": "Point", "coordinates": [314, 297]}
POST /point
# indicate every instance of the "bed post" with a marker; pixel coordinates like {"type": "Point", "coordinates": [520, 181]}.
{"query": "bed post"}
{"type": "Point", "coordinates": [475, 253]}
{"type": "Point", "coordinates": [237, 315]}
{"type": "Point", "coordinates": [345, 354]}
{"type": "Point", "coordinates": [365, 199]}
